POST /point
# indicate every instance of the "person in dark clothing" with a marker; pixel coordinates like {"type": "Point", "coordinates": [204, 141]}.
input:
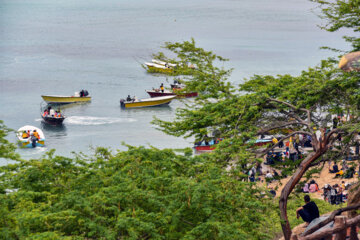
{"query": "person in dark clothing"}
{"type": "Point", "coordinates": [128, 98]}
{"type": "Point", "coordinates": [335, 122]}
{"type": "Point", "coordinates": [335, 169]}
{"type": "Point", "coordinates": [309, 211]}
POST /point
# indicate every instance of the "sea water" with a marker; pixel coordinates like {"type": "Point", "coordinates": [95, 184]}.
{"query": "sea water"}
{"type": "Point", "coordinates": [59, 47]}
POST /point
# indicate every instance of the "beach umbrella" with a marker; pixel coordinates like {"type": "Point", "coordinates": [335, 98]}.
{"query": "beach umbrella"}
{"type": "Point", "coordinates": [350, 62]}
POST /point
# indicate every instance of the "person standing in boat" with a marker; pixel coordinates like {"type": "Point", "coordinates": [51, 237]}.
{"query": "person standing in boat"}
{"type": "Point", "coordinates": [36, 134]}
{"type": "Point", "coordinates": [51, 112]}
{"type": "Point", "coordinates": [162, 87]}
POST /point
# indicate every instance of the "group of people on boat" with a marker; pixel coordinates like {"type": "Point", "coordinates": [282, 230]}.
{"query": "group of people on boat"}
{"type": "Point", "coordinates": [33, 135]}
{"type": "Point", "coordinates": [84, 93]}
{"type": "Point", "coordinates": [50, 112]}
{"type": "Point", "coordinates": [131, 99]}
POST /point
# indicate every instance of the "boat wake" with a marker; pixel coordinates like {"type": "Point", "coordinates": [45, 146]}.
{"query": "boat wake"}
{"type": "Point", "coordinates": [88, 120]}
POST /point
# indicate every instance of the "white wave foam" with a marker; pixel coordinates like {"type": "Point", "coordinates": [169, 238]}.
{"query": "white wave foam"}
{"type": "Point", "coordinates": [88, 120]}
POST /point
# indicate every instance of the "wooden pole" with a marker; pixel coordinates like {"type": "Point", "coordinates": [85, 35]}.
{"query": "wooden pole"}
{"type": "Point", "coordinates": [353, 233]}
{"type": "Point", "coordinates": [340, 223]}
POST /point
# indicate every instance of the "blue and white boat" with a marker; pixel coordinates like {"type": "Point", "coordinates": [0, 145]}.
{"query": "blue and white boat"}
{"type": "Point", "coordinates": [30, 141]}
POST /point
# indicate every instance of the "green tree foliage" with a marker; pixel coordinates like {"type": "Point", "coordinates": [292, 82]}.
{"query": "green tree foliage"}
{"type": "Point", "coordinates": [135, 194]}
{"type": "Point", "coordinates": [7, 149]}
{"type": "Point", "coordinates": [340, 14]}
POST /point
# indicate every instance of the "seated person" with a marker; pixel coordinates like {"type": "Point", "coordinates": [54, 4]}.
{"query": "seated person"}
{"type": "Point", "coordinates": [269, 176]}
{"type": "Point", "coordinates": [309, 211]}
{"type": "Point", "coordinates": [339, 173]}
{"type": "Point", "coordinates": [335, 169]}
{"type": "Point", "coordinates": [313, 188]}
{"type": "Point", "coordinates": [128, 98]}
{"type": "Point", "coordinates": [25, 134]}
{"type": "Point", "coordinates": [306, 188]}
{"type": "Point", "coordinates": [272, 191]}
{"type": "Point", "coordinates": [349, 173]}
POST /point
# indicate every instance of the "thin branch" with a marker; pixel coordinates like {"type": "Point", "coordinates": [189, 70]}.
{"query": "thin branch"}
{"type": "Point", "coordinates": [279, 126]}
{"type": "Point", "coordinates": [289, 105]}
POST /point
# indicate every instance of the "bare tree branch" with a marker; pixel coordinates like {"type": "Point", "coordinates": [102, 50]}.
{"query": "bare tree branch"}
{"type": "Point", "coordinates": [289, 105]}
{"type": "Point", "coordinates": [280, 126]}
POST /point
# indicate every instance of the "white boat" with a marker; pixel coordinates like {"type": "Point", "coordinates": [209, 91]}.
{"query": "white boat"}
{"type": "Point", "coordinates": [31, 141]}
{"type": "Point", "coordinates": [155, 65]}
{"type": "Point", "coordinates": [163, 63]}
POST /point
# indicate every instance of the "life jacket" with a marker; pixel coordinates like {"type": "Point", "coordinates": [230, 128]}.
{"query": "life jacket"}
{"type": "Point", "coordinates": [36, 134]}
{"type": "Point", "coordinates": [162, 88]}
{"type": "Point", "coordinates": [25, 135]}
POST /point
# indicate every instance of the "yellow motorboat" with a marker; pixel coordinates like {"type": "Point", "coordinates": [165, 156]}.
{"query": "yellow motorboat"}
{"type": "Point", "coordinates": [157, 68]}
{"type": "Point", "coordinates": [82, 96]}
{"type": "Point", "coordinates": [147, 102]}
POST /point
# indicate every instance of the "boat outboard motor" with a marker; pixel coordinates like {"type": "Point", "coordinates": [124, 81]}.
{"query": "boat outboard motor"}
{"type": "Point", "coordinates": [33, 140]}
{"type": "Point", "coordinates": [122, 103]}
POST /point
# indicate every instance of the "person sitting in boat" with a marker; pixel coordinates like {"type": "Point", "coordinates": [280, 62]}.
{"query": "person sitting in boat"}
{"type": "Point", "coordinates": [36, 134]}
{"type": "Point", "coordinates": [82, 93]}
{"type": "Point", "coordinates": [162, 87]}
{"type": "Point", "coordinates": [45, 113]}
{"type": "Point", "coordinates": [58, 114]}
{"type": "Point", "coordinates": [128, 99]}
{"type": "Point", "coordinates": [25, 134]}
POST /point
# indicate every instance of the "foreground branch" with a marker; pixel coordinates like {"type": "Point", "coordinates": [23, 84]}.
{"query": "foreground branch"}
{"type": "Point", "coordinates": [330, 218]}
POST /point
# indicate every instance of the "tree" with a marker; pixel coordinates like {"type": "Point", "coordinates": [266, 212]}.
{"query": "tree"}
{"type": "Point", "coordinates": [7, 149]}
{"type": "Point", "coordinates": [340, 14]}
{"type": "Point", "coordinates": [263, 104]}
{"type": "Point", "coordinates": [135, 194]}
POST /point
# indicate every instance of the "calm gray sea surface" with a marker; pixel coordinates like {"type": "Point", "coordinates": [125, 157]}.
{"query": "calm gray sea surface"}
{"type": "Point", "coordinates": [59, 47]}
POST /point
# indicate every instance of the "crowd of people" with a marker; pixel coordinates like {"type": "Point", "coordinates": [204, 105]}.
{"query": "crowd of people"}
{"type": "Point", "coordinates": [344, 172]}
{"type": "Point", "coordinates": [50, 112]}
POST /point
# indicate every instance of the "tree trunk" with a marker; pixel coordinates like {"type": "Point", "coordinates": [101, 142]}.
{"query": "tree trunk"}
{"type": "Point", "coordinates": [304, 165]}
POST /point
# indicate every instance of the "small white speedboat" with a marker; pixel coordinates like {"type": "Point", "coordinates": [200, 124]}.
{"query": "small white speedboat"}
{"type": "Point", "coordinates": [27, 137]}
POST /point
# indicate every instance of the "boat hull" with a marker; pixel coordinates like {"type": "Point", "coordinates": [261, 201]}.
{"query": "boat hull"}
{"type": "Point", "coordinates": [153, 69]}
{"type": "Point", "coordinates": [153, 102]}
{"type": "Point", "coordinates": [178, 95]}
{"type": "Point", "coordinates": [65, 99]}
{"type": "Point", "coordinates": [29, 144]}
{"type": "Point", "coordinates": [207, 148]}
{"type": "Point", "coordinates": [53, 120]}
